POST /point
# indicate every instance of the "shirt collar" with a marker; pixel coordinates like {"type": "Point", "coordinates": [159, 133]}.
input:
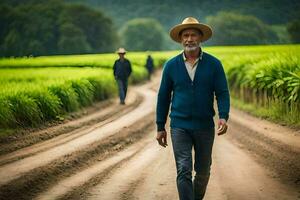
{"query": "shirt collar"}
{"type": "Point", "coordinates": [199, 58]}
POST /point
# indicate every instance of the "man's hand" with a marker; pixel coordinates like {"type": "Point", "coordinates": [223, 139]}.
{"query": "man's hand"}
{"type": "Point", "coordinates": [161, 138]}
{"type": "Point", "coordinates": [222, 127]}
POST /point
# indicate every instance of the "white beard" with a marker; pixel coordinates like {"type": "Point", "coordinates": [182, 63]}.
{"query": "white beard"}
{"type": "Point", "coordinates": [191, 48]}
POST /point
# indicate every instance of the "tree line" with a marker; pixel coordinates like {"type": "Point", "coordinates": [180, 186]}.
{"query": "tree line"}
{"type": "Point", "coordinates": [169, 12]}
{"type": "Point", "coordinates": [52, 27]}
{"type": "Point", "coordinates": [41, 27]}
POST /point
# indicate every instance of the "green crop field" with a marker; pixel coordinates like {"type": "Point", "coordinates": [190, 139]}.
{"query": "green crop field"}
{"type": "Point", "coordinates": [89, 60]}
{"type": "Point", "coordinates": [266, 78]}
{"type": "Point", "coordinates": [36, 90]}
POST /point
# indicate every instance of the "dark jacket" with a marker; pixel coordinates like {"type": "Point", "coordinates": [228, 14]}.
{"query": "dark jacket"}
{"type": "Point", "coordinates": [192, 101]}
{"type": "Point", "coordinates": [122, 70]}
{"type": "Point", "coordinates": [149, 64]}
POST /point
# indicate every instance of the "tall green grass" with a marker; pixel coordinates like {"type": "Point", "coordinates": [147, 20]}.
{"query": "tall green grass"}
{"type": "Point", "coordinates": [36, 90]}
{"type": "Point", "coordinates": [269, 80]}
{"type": "Point", "coordinates": [28, 100]}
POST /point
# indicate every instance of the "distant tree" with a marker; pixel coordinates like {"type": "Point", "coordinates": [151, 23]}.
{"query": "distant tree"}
{"type": "Point", "coordinates": [10, 39]}
{"type": "Point", "coordinates": [142, 34]}
{"type": "Point", "coordinates": [282, 33]}
{"type": "Point", "coordinates": [236, 29]}
{"type": "Point", "coordinates": [98, 29]}
{"type": "Point", "coordinates": [294, 30]}
{"type": "Point", "coordinates": [12, 44]}
{"type": "Point", "coordinates": [5, 20]}
{"type": "Point", "coordinates": [38, 27]}
{"type": "Point", "coordinates": [72, 40]}
{"type": "Point", "coordinates": [35, 47]}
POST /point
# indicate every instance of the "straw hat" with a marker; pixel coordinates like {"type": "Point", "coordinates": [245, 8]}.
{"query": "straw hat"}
{"type": "Point", "coordinates": [190, 22]}
{"type": "Point", "coordinates": [121, 50]}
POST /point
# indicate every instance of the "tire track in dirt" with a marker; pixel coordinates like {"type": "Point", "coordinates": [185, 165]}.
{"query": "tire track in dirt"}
{"type": "Point", "coordinates": [158, 180]}
{"type": "Point", "coordinates": [71, 187]}
{"type": "Point", "coordinates": [274, 132]}
{"type": "Point", "coordinates": [236, 175]}
{"type": "Point", "coordinates": [280, 157]}
{"type": "Point", "coordinates": [38, 180]}
{"type": "Point", "coordinates": [79, 192]}
{"type": "Point", "coordinates": [28, 136]}
{"type": "Point", "coordinates": [127, 175]}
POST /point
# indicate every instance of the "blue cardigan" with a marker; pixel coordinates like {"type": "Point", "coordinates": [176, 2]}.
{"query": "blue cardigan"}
{"type": "Point", "coordinates": [192, 101]}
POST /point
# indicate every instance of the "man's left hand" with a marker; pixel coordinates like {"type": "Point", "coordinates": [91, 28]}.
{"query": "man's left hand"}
{"type": "Point", "coordinates": [222, 127]}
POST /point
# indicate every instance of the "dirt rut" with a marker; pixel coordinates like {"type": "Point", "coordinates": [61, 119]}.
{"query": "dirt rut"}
{"type": "Point", "coordinates": [107, 112]}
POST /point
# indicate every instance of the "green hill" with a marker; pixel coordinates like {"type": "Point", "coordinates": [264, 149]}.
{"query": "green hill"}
{"type": "Point", "coordinates": [170, 12]}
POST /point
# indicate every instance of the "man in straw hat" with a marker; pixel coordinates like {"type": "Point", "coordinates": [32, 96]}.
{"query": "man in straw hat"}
{"type": "Point", "coordinates": [122, 70]}
{"type": "Point", "coordinates": [190, 81]}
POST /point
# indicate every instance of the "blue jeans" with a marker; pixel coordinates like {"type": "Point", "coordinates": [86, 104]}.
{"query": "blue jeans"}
{"type": "Point", "coordinates": [183, 142]}
{"type": "Point", "coordinates": [122, 85]}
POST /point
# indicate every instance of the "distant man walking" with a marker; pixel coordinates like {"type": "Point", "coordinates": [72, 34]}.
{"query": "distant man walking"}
{"type": "Point", "coordinates": [190, 81]}
{"type": "Point", "coordinates": [122, 70]}
{"type": "Point", "coordinates": [149, 66]}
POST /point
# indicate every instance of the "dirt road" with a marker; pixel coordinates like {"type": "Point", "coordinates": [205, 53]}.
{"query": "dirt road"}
{"type": "Point", "coordinates": [111, 153]}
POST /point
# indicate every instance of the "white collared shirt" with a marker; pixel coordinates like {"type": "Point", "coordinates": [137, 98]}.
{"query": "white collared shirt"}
{"type": "Point", "coordinates": [191, 68]}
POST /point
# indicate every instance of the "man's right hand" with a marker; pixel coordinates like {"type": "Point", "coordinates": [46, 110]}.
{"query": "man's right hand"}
{"type": "Point", "coordinates": [222, 127]}
{"type": "Point", "coordinates": [161, 138]}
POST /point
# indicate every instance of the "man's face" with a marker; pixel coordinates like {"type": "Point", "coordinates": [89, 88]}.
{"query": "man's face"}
{"type": "Point", "coordinates": [190, 39]}
{"type": "Point", "coordinates": [121, 55]}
